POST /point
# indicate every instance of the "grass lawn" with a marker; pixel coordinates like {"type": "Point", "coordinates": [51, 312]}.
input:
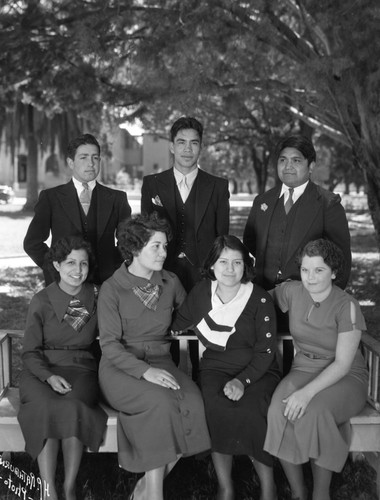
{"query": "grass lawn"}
{"type": "Point", "coordinates": [192, 479]}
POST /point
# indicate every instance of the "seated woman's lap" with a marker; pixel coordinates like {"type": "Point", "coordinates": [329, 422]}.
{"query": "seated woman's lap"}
{"type": "Point", "coordinates": [342, 400]}
{"type": "Point", "coordinates": [238, 427]}
{"type": "Point", "coordinates": [84, 385]}
{"type": "Point", "coordinates": [260, 392]}
{"type": "Point", "coordinates": [127, 393]}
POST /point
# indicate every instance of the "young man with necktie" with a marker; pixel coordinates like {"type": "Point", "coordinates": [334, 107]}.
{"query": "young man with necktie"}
{"type": "Point", "coordinates": [195, 203]}
{"type": "Point", "coordinates": [82, 207]}
{"type": "Point", "coordinates": [285, 218]}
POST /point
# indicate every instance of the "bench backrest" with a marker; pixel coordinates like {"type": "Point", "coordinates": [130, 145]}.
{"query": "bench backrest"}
{"type": "Point", "coordinates": [369, 346]}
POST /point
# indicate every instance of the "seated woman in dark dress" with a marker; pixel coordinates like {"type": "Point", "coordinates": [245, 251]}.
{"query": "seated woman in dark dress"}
{"type": "Point", "coordinates": [235, 320]}
{"type": "Point", "coordinates": [59, 383]}
{"type": "Point", "coordinates": [161, 409]}
{"type": "Point", "coordinates": [309, 415]}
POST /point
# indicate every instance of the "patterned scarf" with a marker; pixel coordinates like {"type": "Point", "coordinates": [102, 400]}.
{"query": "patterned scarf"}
{"type": "Point", "coordinates": [148, 294]}
{"type": "Point", "coordinates": [77, 315]}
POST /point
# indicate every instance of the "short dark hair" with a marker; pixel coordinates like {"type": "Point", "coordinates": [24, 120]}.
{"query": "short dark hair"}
{"type": "Point", "coordinates": [186, 122]}
{"type": "Point", "coordinates": [80, 141]}
{"type": "Point", "coordinates": [233, 243]}
{"type": "Point", "coordinates": [63, 247]}
{"type": "Point", "coordinates": [330, 253]}
{"type": "Point", "coordinates": [134, 233]}
{"type": "Point", "coordinates": [300, 142]}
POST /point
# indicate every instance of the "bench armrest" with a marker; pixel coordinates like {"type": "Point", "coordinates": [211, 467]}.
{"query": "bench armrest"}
{"type": "Point", "coordinates": [371, 351]}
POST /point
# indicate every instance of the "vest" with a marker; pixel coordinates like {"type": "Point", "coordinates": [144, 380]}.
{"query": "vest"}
{"type": "Point", "coordinates": [277, 244]}
{"type": "Point", "coordinates": [89, 226]}
{"type": "Point", "coordinates": [185, 230]}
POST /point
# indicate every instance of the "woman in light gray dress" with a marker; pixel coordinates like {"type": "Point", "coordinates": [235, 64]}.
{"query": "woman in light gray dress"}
{"type": "Point", "coordinates": [161, 410]}
{"type": "Point", "coordinates": [308, 418]}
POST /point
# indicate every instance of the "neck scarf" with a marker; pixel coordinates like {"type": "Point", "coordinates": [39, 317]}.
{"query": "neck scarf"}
{"type": "Point", "coordinates": [77, 315]}
{"type": "Point", "coordinates": [218, 325]}
{"type": "Point", "coordinates": [148, 294]}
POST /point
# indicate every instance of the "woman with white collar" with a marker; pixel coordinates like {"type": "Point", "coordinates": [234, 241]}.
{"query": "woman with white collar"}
{"type": "Point", "coordinates": [235, 320]}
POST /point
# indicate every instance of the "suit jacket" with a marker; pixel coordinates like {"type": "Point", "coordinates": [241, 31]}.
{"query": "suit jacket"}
{"type": "Point", "coordinates": [212, 209]}
{"type": "Point", "coordinates": [319, 215]}
{"type": "Point", "coordinates": [57, 212]}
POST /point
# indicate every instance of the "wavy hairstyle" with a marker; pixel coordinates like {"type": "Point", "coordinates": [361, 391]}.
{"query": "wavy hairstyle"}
{"type": "Point", "coordinates": [80, 141]}
{"type": "Point", "coordinates": [330, 253]}
{"type": "Point", "coordinates": [63, 247]}
{"type": "Point", "coordinates": [134, 233]}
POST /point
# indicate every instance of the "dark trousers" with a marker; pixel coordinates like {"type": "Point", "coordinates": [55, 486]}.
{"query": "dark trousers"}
{"type": "Point", "coordinates": [188, 275]}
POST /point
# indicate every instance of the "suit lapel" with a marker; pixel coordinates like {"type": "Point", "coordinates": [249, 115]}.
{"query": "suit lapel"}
{"type": "Point", "coordinates": [205, 187]}
{"type": "Point", "coordinates": [307, 210]}
{"type": "Point", "coordinates": [267, 209]}
{"type": "Point", "coordinates": [68, 198]}
{"type": "Point", "coordinates": [165, 184]}
{"type": "Point", "coordinates": [105, 202]}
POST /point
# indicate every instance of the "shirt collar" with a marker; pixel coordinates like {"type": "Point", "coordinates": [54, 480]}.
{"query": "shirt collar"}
{"type": "Point", "coordinates": [60, 299]}
{"type": "Point", "coordinates": [129, 280]}
{"type": "Point", "coordinates": [79, 187]}
{"type": "Point", "coordinates": [190, 178]}
{"type": "Point", "coordinates": [298, 191]}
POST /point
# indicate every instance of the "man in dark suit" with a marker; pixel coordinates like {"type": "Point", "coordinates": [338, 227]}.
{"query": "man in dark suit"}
{"type": "Point", "coordinates": [285, 218]}
{"type": "Point", "coordinates": [195, 202]}
{"type": "Point", "coordinates": [81, 207]}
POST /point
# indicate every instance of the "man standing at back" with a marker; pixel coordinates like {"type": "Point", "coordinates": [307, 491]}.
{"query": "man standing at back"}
{"type": "Point", "coordinates": [285, 218]}
{"type": "Point", "coordinates": [195, 202]}
{"type": "Point", "coordinates": [81, 207]}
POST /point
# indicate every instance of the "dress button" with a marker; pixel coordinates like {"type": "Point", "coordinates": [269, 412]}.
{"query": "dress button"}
{"type": "Point", "coordinates": [263, 300]}
{"type": "Point", "coordinates": [268, 335]}
{"type": "Point", "coordinates": [266, 318]}
{"type": "Point", "coordinates": [247, 381]}
{"type": "Point", "coordinates": [269, 351]}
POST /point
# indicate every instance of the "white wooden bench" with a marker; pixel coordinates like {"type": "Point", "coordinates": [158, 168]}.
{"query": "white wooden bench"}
{"type": "Point", "coordinates": [365, 439]}
{"type": "Point", "coordinates": [11, 438]}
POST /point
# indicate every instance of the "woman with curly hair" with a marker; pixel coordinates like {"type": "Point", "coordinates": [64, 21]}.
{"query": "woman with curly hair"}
{"type": "Point", "coordinates": [59, 383]}
{"type": "Point", "coordinates": [161, 410]}
{"type": "Point", "coordinates": [308, 419]}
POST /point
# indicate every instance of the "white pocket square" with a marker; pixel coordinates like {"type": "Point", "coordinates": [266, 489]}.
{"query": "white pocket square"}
{"type": "Point", "coordinates": [156, 201]}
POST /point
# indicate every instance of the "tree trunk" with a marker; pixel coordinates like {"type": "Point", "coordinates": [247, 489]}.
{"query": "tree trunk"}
{"type": "Point", "coordinates": [261, 170]}
{"type": "Point", "coordinates": [32, 162]}
{"type": "Point", "coordinates": [373, 196]}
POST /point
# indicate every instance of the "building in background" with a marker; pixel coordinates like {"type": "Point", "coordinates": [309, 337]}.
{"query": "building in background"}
{"type": "Point", "coordinates": [124, 162]}
{"type": "Point", "coordinates": [156, 154]}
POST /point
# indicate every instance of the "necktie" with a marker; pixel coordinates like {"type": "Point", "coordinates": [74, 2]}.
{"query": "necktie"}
{"type": "Point", "coordinates": [184, 189]}
{"type": "Point", "coordinates": [289, 202]}
{"type": "Point", "coordinates": [85, 197]}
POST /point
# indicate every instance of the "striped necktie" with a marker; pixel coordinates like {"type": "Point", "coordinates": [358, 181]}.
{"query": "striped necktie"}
{"type": "Point", "coordinates": [85, 197]}
{"type": "Point", "coordinates": [289, 202]}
